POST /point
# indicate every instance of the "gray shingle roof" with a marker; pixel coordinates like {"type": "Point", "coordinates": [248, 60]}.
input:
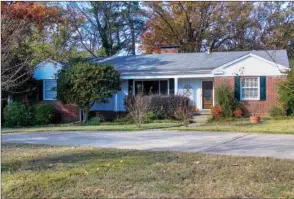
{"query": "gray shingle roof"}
{"type": "Point", "coordinates": [184, 63]}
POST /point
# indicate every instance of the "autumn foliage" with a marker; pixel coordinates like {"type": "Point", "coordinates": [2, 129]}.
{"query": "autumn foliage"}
{"type": "Point", "coordinates": [238, 113]}
{"type": "Point", "coordinates": [19, 22]}
{"type": "Point", "coordinates": [31, 11]}
{"type": "Point", "coordinates": [216, 111]}
{"type": "Point", "coordinates": [219, 26]}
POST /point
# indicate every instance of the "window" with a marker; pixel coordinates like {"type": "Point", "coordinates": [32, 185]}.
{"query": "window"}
{"type": "Point", "coordinates": [250, 88]}
{"type": "Point", "coordinates": [151, 87]}
{"type": "Point", "coordinates": [49, 89]}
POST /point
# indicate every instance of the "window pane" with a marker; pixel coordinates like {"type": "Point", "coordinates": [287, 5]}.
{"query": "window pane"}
{"type": "Point", "coordinates": [150, 87]}
{"type": "Point", "coordinates": [138, 87]}
{"type": "Point", "coordinates": [250, 93]}
{"type": "Point", "coordinates": [50, 84]}
{"type": "Point", "coordinates": [50, 94]}
{"type": "Point", "coordinates": [163, 87]}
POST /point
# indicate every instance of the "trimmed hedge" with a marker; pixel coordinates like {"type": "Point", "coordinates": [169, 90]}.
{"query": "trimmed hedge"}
{"type": "Point", "coordinates": [164, 107]}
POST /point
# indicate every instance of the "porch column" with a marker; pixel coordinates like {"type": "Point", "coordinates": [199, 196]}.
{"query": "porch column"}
{"type": "Point", "coordinates": [176, 85]}
{"type": "Point", "coordinates": [116, 104]}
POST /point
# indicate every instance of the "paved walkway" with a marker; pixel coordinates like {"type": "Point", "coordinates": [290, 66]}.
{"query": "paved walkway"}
{"type": "Point", "coordinates": [269, 145]}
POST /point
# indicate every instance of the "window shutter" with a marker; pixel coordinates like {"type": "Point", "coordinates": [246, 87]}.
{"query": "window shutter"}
{"type": "Point", "coordinates": [130, 88]}
{"type": "Point", "coordinates": [237, 88]}
{"type": "Point", "coordinates": [40, 93]}
{"type": "Point", "coordinates": [262, 88]}
{"type": "Point", "coordinates": [171, 86]}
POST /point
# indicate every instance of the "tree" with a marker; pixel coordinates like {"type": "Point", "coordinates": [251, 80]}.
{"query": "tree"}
{"type": "Point", "coordinates": [19, 21]}
{"type": "Point", "coordinates": [112, 26]}
{"type": "Point", "coordinates": [84, 84]}
{"type": "Point", "coordinates": [137, 107]}
{"type": "Point", "coordinates": [286, 91]}
{"type": "Point", "coordinates": [218, 26]}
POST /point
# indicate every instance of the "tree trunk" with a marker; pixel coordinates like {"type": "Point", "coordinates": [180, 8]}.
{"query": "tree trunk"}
{"type": "Point", "coordinates": [9, 99]}
{"type": "Point", "coordinates": [85, 115]}
{"type": "Point", "coordinates": [133, 37]}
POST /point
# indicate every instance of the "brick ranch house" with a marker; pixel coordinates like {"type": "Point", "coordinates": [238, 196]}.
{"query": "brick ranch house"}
{"type": "Point", "coordinates": [254, 76]}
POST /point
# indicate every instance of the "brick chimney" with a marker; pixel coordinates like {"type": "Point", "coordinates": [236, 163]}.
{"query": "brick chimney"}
{"type": "Point", "coordinates": [169, 49]}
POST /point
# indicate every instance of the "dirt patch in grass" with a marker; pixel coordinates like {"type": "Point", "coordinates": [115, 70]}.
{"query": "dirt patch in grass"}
{"type": "Point", "coordinates": [38, 171]}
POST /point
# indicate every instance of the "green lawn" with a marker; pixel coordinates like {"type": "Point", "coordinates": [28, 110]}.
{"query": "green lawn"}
{"type": "Point", "coordinates": [102, 127]}
{"type": "Point", "coordinates": [244, 125]}
{"type": "Point", "coordinates": [38, 171]}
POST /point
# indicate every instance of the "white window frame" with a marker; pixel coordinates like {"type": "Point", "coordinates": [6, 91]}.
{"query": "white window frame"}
{"type": "Point", "coordinates": [44, 88]}
{"type": "Point", "coordinates": [258, 87]}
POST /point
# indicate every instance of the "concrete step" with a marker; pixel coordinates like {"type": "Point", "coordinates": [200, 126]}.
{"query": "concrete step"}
{"type": "Point", "coordinates": [204, 112]}
{"type": "Point", "coordinates": [201, 119]}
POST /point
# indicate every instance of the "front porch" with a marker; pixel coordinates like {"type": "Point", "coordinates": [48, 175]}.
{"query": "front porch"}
{"type": "Point", "coordinates": [199, 90]}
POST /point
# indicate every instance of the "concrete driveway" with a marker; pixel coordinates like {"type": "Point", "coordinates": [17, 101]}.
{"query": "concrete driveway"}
{"type": "Point", "coordinates": [269, 145]}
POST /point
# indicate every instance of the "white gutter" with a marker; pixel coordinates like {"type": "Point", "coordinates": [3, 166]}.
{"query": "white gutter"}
{"type": "Point", "coordinates": [165, 76]}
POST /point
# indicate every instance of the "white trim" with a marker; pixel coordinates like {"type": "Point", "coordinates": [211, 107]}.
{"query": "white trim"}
{"type": "Point", "coordinates": [230, 63]}
{"type": "Point", "coordinates": [44, 98]}
{"type": "Point", "coordinates": [50, 60]}
{"type": "Point", "coordinates": [176, 85]}
{"type": "Point", "coordinates": [115, 103]}
{"type": "Point", "coordinates": [163, 72]}
{"type": "Point", "coordinates": [216, 71]}
{"type": "Point", "coordinates": [258, 87]}
{"type": "Point", "coordinates": [212, 93]}
{"type": "Point", "coordinates": [166, 76]}
{"type": "Point", "coordinates": [213, 103]}
{"type": "Point", "coordinates": [269, 62]}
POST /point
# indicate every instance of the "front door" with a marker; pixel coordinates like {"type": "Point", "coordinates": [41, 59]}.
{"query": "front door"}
{"type": "Point", "coordinates": [207, 87]}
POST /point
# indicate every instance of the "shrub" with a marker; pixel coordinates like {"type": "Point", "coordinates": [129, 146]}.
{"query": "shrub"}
{"type": "Point", "coordinates": [183, 112]}
{"type": "Point", "coordinates": [276, 112]}
{"type": "Point", "coordinates": [216, 111]}
{"type": "Point", "coordinates": [286, 91]}
{"type": "Point", "coordinates": [164, 107]}
{"type": "Point", "coordinates": [44, 113]}
{"type": "Point", "coordinates": [238, 113]}
{"type": "Point", "coordinates": [127, 119]}
{"type": "Point", "coordinates": [225, 97]}
{"type": "Point", "coordinates": [17, 114]}
{"type": "Point", "coordinates": [95, 121]}
{"type": "Point", "coordinates": [149, 117]}
{"type": "Point", "coordinates": [137, 107]}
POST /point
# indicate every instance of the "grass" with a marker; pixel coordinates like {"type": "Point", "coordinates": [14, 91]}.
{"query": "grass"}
{"type": "Point", "coordinates": [38, 171]}
{"type": "Point", "coordinates": [244, 125]}
{"type": "Point", "coordinates": [101, 127]}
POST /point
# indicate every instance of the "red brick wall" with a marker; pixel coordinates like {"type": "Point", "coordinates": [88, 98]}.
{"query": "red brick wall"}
{"type": "Point", "coordinates": [65, 113]}
{"type": "Point", "coordinates": [262, 107]}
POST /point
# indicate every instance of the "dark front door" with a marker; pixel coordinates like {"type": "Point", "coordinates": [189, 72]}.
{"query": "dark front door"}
{"type": "Point", "coordinates": [207, 87]}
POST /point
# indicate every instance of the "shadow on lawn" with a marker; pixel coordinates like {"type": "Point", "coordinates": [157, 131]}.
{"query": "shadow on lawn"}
{"type": "Point", "coordinates": [73, 157]}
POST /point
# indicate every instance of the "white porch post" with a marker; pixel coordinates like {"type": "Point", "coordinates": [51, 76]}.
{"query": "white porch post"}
{"type": "Point", "coordinates": [116, 105]}
{"type": "Point", "coordinates": [176, 86]}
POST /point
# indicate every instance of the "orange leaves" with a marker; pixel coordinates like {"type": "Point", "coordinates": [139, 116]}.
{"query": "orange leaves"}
{"type": "Point", "coordinates": [216, 111]}
{"type": "Point", "coordinates": [32, 11]}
